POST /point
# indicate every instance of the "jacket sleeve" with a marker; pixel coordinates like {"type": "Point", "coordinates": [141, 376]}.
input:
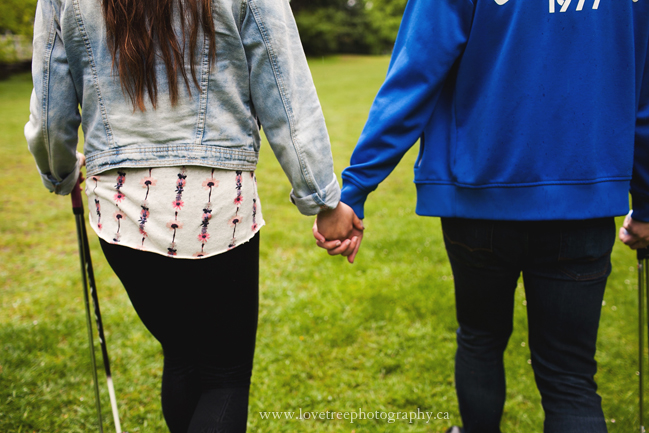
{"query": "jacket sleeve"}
{"type": "Point", "coordinates": [640, 179]}
{"type": "Point", "coordinates": [287, 105]}
{"type": "Point", "coordinates": [431, 39]}
{"type": "Point", "coordinates": [52, 130]}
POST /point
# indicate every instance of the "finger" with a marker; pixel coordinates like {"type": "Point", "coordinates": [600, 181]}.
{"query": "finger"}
{"type": "Point", "coordinates": [328, 245]}
{"type": "Point", "coordinates": [635, 245]}
{"type": "Point", "coordinates": [622, 234]}
{"type": "Point", "coordinates": [358, 223]}
{"type": "Point", "coordinates": [352, 256]}
{"type": "Point", "coordinates": [82, 159]}
{"type": "Point", "coordinates": [633, 242]}
{"type": "Point", "coordinates": [316, 234]}
{"type": "Point", "coordinates": [629, 241]}
{"type": "Point", "coordinates": [352, 246]}
{"type": "Point", "coordinates": [342, 248]}
{"type": "Point", "coordinates": [630, 225]}
{"type": "Point", "coordinates": [626, 237]}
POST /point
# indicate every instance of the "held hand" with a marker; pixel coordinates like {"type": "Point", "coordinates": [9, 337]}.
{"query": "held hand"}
{"type": "Point", "coordinates": [634, 233]}
{"type": "Point", "coordinates": [346, 245]}
{"type": "Point", "coordinates": [338, 223]}
{"type": "Point", "coordinates": [81, 158]}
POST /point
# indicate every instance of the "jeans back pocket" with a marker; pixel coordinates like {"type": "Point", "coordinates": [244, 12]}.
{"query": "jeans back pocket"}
{"type": "Point", "coordinates": [585, 249]}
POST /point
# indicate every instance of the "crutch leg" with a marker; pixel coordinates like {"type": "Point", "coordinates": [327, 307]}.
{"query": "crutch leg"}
{"type": "Point", "coordinates": [77, 209]}
{"type": "Point", "coordinates": [645, 294]}
{"type": "Point", "coordinates": [100, 331]}
{"type": "Point", "coordinates": [643, 302]}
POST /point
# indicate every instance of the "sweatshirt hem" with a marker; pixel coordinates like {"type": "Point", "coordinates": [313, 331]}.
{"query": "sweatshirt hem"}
{"type": "Point", "coordinates": [531, 203]}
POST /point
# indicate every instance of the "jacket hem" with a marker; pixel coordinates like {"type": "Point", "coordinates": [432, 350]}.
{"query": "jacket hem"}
{"type": "Point", "coordinates": [163, 155]}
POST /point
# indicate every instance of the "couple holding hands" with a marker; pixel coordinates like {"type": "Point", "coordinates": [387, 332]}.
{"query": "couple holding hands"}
{"type": "Point", "coordinates": [533, 128]}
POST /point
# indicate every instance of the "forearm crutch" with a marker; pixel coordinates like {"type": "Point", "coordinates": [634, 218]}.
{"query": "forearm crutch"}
{"type": "Point", "coordinates": [88, 278]}
{"type": "Point", "coordinates": [643, 276]}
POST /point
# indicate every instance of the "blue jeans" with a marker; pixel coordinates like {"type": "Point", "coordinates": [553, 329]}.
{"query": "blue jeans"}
{"type": "Point", "coordinates": [565, 265]}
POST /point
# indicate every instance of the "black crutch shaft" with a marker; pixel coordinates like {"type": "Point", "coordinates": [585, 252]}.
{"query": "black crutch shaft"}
{"type": "Point", "coordinates": [77, 210]}
{"type": "Point", "coordinates": [95, 301]}
{"type": "Point", "coordinates": [643, 302]}
{"type": "Point", "coordinates": [89, 285]}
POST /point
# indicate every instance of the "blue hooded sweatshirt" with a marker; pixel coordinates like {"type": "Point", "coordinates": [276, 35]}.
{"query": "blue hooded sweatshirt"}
{"type": "Point", "coordinates": [526, 110]}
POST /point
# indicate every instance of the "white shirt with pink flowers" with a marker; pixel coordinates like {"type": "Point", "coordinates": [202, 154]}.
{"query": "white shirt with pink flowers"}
{"type": "Point", "coordinates": [182, 212]}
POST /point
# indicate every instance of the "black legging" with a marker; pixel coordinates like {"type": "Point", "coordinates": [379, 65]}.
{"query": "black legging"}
{"type": "Point", "coordinates": [204, 313]}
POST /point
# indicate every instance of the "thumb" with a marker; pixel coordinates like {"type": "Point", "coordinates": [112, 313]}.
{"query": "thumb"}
{"type": "Point", "coordinates": [82, 159]}
{"type": "Point", "coordinates": [358, 223]}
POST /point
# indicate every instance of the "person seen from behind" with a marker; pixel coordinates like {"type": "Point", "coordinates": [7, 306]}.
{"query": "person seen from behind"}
{"type": "Point", "coordinates": [533, 121]}
{"type": "Point", "coordinates": [174, 93]}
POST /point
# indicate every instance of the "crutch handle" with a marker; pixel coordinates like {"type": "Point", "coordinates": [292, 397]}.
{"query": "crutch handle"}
{"type": "Point", "coordinates": [77, 203]}
{"type": "Point", "coordinates": [643, 253]}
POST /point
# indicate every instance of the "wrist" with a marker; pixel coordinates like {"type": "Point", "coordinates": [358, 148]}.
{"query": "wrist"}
{"type": "Point", "coordinates": [328, 210]}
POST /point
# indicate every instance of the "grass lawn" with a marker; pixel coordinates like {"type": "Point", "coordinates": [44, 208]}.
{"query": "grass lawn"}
{"type": "Point", "coordinates": [377, 335]}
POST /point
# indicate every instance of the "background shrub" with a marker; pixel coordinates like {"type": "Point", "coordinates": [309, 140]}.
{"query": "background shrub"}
{"type": "Point", "coordinates": [348, 26]}
{"type": "Point", "coordinates": [16, 30]}
{"type": "Point", "coordinates": [326, 26]}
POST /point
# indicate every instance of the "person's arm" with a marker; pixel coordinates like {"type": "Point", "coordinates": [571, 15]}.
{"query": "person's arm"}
{"type": "Point", "coordinates": [431, 39]}
{"type": "Point", "coordinates": [635, 229]}
{"type": "Point", "coordinates": [52, 130]}
{"type": "Point", "coordinates": [287, 105]}
{"type": "Point", "coordinates": [640, 180]}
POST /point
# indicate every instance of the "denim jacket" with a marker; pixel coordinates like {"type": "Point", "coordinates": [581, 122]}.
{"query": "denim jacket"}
{"type": "Point", "coordinates": [260, 77]}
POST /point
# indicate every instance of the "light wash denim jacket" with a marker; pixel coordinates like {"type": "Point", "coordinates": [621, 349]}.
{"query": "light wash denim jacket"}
{"type": "Point", "coordinates": [260, 77]}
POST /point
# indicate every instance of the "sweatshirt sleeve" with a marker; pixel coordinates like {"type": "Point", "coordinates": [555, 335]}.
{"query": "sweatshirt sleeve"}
{"type": "Point", "coordinates": [287, 105]}
{"type": "Point", "coordinates": [52, 131]}
{"type": "Point", "coordinates": [640, 179]}
{"type": "Point", "coordinates": [431, 39]}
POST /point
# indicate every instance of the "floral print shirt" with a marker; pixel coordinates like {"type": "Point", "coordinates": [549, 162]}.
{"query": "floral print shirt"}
{"type": "Point", "coordinates": [182, 212]}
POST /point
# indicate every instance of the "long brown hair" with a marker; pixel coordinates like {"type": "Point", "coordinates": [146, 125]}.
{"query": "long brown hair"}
{"type": "Point", "coordinates": [139, 29]}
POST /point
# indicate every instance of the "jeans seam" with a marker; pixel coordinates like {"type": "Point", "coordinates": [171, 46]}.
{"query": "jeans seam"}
{"type": "Point", "coordinates": [587, 277]}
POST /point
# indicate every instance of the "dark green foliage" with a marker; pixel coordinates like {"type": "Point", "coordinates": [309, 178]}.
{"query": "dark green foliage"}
{"type": "Point", "coordinates": [16, 28]}
{"type": "Point", "coordinates": [17, 17]}
{"type": "Point", "coordinates": [348, 26]}
{"type": "Point", "coordinates": [326, 26]}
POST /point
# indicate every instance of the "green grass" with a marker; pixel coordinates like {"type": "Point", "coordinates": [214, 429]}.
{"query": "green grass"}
{"type": "Point", "coordinates": [378, 335]}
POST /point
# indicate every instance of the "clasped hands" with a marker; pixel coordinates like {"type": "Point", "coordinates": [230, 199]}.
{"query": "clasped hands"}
{"type": "Point", "coordinates": [339, 231]}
